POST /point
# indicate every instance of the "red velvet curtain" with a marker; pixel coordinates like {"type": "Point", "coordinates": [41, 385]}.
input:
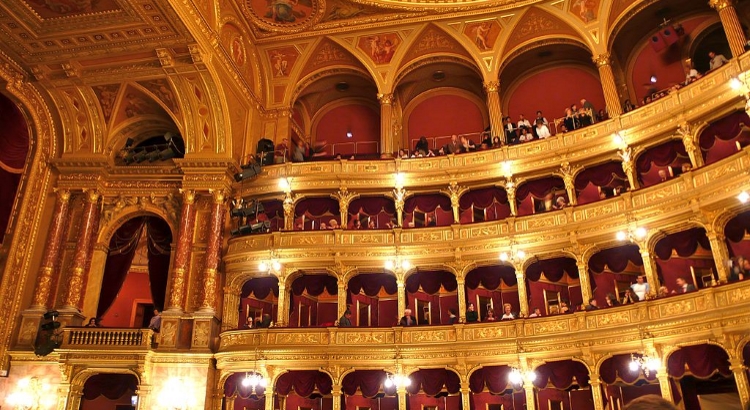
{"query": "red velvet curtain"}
{"type": "Point", "coordinates": [431, 281]}
{"type": "Point", "coordinates": [725, 129]}
{"type": "Point", "coordinates": [317, 207]}
{"type": "Point", "coordinates": [483, 198]}
{"type": "Point", "coordinates": [304, 383]}
{"type": "Point", "coordinates": [492, 378]}
{"type": "Point", "coordinates": [427, 203]}
{"type": "Point", "coordinates": [274, 210]}
{"type": "Point", "coordinates": [553, 269]}
{"type": "Point", "coordinates": [111, 386]}
{"type": "Point", "coordinates": [261, 287]}
{"type": "Point", "coordinates": [616, 369]}
{"type": "Point", "coordinates": [8, 191]}
{"type": "Point", "coordinates": [604, 175]}
{"type": "Point", "coordinates": [539, 188]}
{"type": "Point", "coordinates": [372, 206]}
{"type": "Point", "coordinates": [737, 227]}
{"type": "Point", "coordinates": [615, 259]}
{"type": "Point", "coordinates": [233, 385]}
{"type": "Point", "coordinates": [661, 155]}
{"type": "Point", "coordinates": [371, 283]}
{"type": "Point", "coordinates": [490, 277]}
{"type": "Point", "coordinates": [14, 137]}
{"type": "Point", "coordinates": [122, 247]}
{"type": "Point", "coordinates": [315, 285]}
{"type": "Point", "coordinates": [368, 382]}
{"type": "Point", "coordinates": [685, 243]}
{"type": "Point", "coordinates": [701, 361]}
{"type": "Point", "coordinates": [433, 381]}
{"type": "Point", "coordinates": [159, 255]}
{"type": "Point", "coordinates": [561, 374]}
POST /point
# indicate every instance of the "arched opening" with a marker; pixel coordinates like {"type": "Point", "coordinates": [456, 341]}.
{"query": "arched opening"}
{"type": "Point", "coordinates": [622, 383]}
{"type": "Point", "coordinates": [614, 272]}
{"type": "Point", "coordinates": [372, 212]}
{"type": "Point", "coordinates": [243, 396]}
{"type": "Point", "coordinates": [711, 39]}
{"type": "Point", "coordinates": [685, 261]}
{"type": "Point", "coordinates": [304, 389]}
{"type": "Point", "coordinates": [725, 137]}
{"type": "Point", "coordinates": [737, 232]}
{"type": "Point", "coordinates": [662, 163]}
{"type": "Point", "coordinates": [484, 204]}
{"type": "Point", "coordinates": [491, 388]}
{"type": "Point", "coordinates": [564, 384]}
{"type": "Point", "coordinates": [364, 389]}
{"type": "Point", "coordinates": [489, 288]}
{"type": "Point", "coordinates": [431, 295]}
{"type": "Point", "coordinates": [600, 182]}
{"type": "Point", "coordinates": [134, 282]}
{"type": "Point", "coordinates": [701, 373]}
{"type": "Point", "coordinates": [553, 284]}
{"type": "Point", "coordinates": [109, 392]}
{"type": "Point", "coordinates": [14, 148]}
{"type": "Point", "coordinates": [373, 300]}
{"type": "Point", "coordinates": [541, 195]}
{"type": "Point", "coordinates": [425, 210]}
{"type": "Point", "coordinates": [314, 301]}
{"type": "Point", "coordinates": [433, 388]}
{"type": "Point", "coordinates": [259, 303]}
{"type": "Point", "coordinates": [316, 213]}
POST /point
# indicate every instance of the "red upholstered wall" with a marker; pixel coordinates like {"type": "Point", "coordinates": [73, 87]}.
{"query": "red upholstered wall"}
{"type": "Point", "coordinates": [388, 314]}
{"type": "Point", "coordinates": [384, 403]}
{"type": "Point", "coordinates": [135, 287]}
{"type": "Point", "coordinates": [666, 64]}
{"type": "Point", "coordinates": [294, 401]}
{"type": "Point", "coordinates": [444, 114]}
{"type": "Point", "coordinates": [14, 146]}
{"type": "Point", "coordinates": [363, 122]}
{"type": "Point", "coordinates": [553, 90]}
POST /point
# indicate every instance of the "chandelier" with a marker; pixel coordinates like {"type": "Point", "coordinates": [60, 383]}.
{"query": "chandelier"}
{"type": "Point", "coordinates": [397, 380]}
{"type": "Point", "coordinates": [644, 362]}
{"type": "Point", "coordinates": [254, 380]}
{"type": "Point", "coordinates": [272, 265]}
{"type": "Point", "coordinates": [397, 263]}
{"type": "Point", "coordinates": [31, 394]}
{"type": "Point", "coordinates": [516, 377]}
{"type": "Point", "coordinates": [513, 256]}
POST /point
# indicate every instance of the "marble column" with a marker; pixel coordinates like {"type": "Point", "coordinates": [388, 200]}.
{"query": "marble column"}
{"type": "Point", "coordinates": [607, 78]}
{"type": "Point", "coordinates": [386, 126]}
{"type": "Point", "coordinates": [52, 251]}
{"type": "Point", "coordinates": [282, 315]}
{"type": "Point", "coordinates": [461, 299]}
{"type": "Point", "coordinates": [649, 269]}
{"type": "Point", "coordinates": [720, 252]}
{"type": "Point", "coordinates": [492, 88]}
{"type": "Point", "coordinates": [181, 262]}
{"type": "Point", "coordinates": [666, 389]}
{"type": "Point", "coordinates": [523, 298]}
{"type": "Point", "coordinates": [209, 300]}
{"type": "Point", "coordinates": [740, 378]}
{"type": "Point", "coordinates": [584, 280]}
{"type": "Point", "coordinates": [731, 23]}
{"type": "Point", "coordinates": [88, 229]}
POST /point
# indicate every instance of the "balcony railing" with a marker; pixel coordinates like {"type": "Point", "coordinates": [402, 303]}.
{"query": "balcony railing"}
{"type": "Point", "coordinates": [106, 338]}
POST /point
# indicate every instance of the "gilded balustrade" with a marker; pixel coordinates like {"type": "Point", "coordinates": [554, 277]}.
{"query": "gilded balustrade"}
{"type": "Point", "coordinates": [106, 338]}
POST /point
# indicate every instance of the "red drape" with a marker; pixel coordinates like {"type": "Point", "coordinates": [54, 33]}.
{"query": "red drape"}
{"type": "Point", "coordinates": [539, 188]}
{"type": "Point", "coordinates": [274, 210]}
{"type": "Point", "coordinates": [317, 207]}
{"type": "Point", "coordinates": [553, 269]}
{"type": "Point", "coordinates": [725, 129]}
{"type": "Point", "coordinates": [604, 175]}
{"type": "Point", "coordinates": [492, 378]}
{"type": "Point", "coordinates": [615, 259]}
{"type": "Point", "coordinates": [483, 198]}
{"type": "Point", "coordinates": [434, 381]}
{"type": "Point", "coordinates": [615, 369]}
{"type": "Point", "coordinates": [701, 361]}
{"type": "Point", "coordinates": [315, 285]}
{"type": "Point", "coordinates": [661, 155]}
{"type": "Point", "coordinates": [368, 382]}
{"type": "Point", "coordinates": [233, 385]}
{"type": "Point", "coordinates": [427, 203]}
{"type": "Point", "coordinates": [159, 244]}
{"type": "Point", "coordinates": [261, 287]}
{"type": "Point", "coordinates": [561, 374]}
{"type": "Point", "coordinates": [304, 383]}
{"type": "Point", "coordinates": [685, 243]}
{"type": "Point", "coordinates": [490, 277]}
{"type": "Point", "coordinates": [431, 281]}
{"type": "Point", "coordinates": [371, 283]}
{"type": "Point", "coordinates": [122, 247]}
{"type": "Point", "coordinates": [8, 190]}
{"type": "Point", "coordinates": [111, 386]}
{"type": "Point", "coordinates": [372, 206]}
{"type": "Point", "coordinates": [737, 227]}
{"type": "Point", "coordinates": [14, 137]}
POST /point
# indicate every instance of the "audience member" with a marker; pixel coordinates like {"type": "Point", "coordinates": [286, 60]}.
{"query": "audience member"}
{"type": "Point", "coordinates": [611, 300]}
{"type": "Point", "coordinates": [333, 224]}
{"type": "Point", "coordinates": [541, 129]}
{"type": "Point", "coordinates": [564, 307]}
{"type": "Point", "coordinates": [587, 107]}
{"type": "Point", "coordinates": [717, 60]}
{"type": "Point", "coordinates": [407, 319]}
{"type": "Point", "coordinates": [629, 297]}
{"type": "Point", "coordinates": [683, 286]}
{"type": "Point", "coordinates": [593, 305]}
{"type": "Point", "coordinates": [496, 142]}
{"type": "Point", "coordinates": [525, 135]}
{"type": "Point", "coordinates": [346, 319]}
{"type": "Point", "coordinates": [523, 122]}
{"type": "Point", "coordinates": [92, 323]}
{"type": "Point", "coordinates": [467, 145]}
{"type": "Point", "coordinates": [454, 147]}
{"type": "Point", "coordinates": [507, 312]}
{"type": "Point", "coordinates": [650, 402]}
{"type": "Point", "coordinates": [472, 315]}
{"type": "Point", "coordinates": [536, 313]}
{"type": "Point", "coordinates": [452, 317]}
{"type": "Point", "coordinates": [629, 106]}
{"type": "Point", "coordinates": [264, 322]}
{"type": "Point", "coordinates": [282, 153]}
{"type": "Point", "coordinates": [490, 316]}
{"type": "Point", "coordinates": [155, 323]}
{"type": "Point", "coordinates": [539, 116]}
{"type": "Point", "coordinates": [663, 291]}
{"type": "Point", "coordinates": [641, 288]}
{"type": "Point", "coordinates": [422, 147]}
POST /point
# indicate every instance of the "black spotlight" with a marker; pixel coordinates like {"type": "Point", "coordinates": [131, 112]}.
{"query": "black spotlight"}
{"type": "Point", "coordinates": [248, 171]}
{"type": "Point", "coordinates": [51, 314]}
{"type": "Point", "coordinates": [259, 227]}
{"type": "Point", "coordinates": [50, 326]}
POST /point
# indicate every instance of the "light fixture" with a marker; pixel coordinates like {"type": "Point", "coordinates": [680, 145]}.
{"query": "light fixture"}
{"type": "Point", "coordinates": [653, 79]}
{"type": "Point", "coordinates": [254, 380]}
{"type": "Point", "coordinates": [397, 263]}
{"type": "Point", "coordinates": [513, 257]}
{"type": "Point", "coordinates": [618, 140]}
{"type": "Point", "coordinates": [399, 178]}
{"type": "Point", "coordinates": [743, 197]}
{"type": "Point", "coordinates": [517, 377]}
{"type": "Point", "coordinates": [644, 362]}
{"type": "Point", "coordinates": [273, 265]}
{"type": "Point", "coordinates": [507, 168]}
{"type": "Point", "coordinates": [285, 185]}
{"type": "Point", "coordinates": [30, 394]}
{"type": "Point", "coordinates": [177, 394]}
{"type": "Point", "coordinates": [396, 380]}
{"type": "Point", "coordinates": [637, 234]}
{"type": "Point", "coordinates": [735, 83]}
{"type": "Point", "coordinates": [349, 134]}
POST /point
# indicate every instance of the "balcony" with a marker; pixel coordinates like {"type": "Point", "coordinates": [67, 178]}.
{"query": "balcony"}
{"type": "Point", "coordinates": [89, 338]}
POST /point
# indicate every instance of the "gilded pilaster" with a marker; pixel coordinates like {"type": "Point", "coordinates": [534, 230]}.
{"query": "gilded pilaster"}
{"type": "Point", "coordinates": [336, 394]}
{"type": "Point", "coordinates": [666, 390]}
{"type": "Point", "coordinates": [399, 197]}
{"type": "Point", "coordinates": [465, 395]}
{"type": "Point", "coordinates": [401, 392]}
{"type": "Point", "coordinates": [649, 269]}
{"type": "Point", "coordinates": [341, 296]}
{"type": "Point", "coordinates": [690, 141]}
{"type": "Point", "coordinates": [345, 198]}
{"type": "Point", "coordinates": [568, 174]}
{"type": "Point", "coordinates": [461, 299]}
{"type": "Point", "coordinates": [386, 127]}
{"type": "Point", "coordinates": [84, 246]}
{"type": "Point", "coordinates": [510, 189]}
{"type": "Point", "coordinates": [731, 23]}
{"type": "Point", "coordinates": [181, 260]}
{"type": "Point", "coordinates": [209, 300]}
{"type": "Point", "coordinates": [52, 251]}
{"type": "Point", "coordinates": [596, 391]}
{"type": "Point", "coordinates": [523, 298]}
{"type": "Point", "coordinates": [454, 192]}
{"type": "Point", "coordinates": [584, 279]}
{"type": "Point", "coordinates": [283, 308]}
{"type": "Point", "coordinates": [269, 399]}
{"type": "Point", "coordinates": [740, 378]}
{"type": "Point", "coordinates": [609, 86]}
{"type": "Point", "coordinates": [492, 88]}
{"type": "Point", "coordinates": [721, 253]}
{"type": "Point", "coordinates": [528, 389]}
{"type": "Point", "coordinates": [288, 211]}
{"type": "Point", "coordinates": [628, 165]}
{"type": "Point", "coordinates": [401, 295]}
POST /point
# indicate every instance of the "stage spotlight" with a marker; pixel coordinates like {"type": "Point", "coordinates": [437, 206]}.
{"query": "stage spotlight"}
{"type": "Point", "coordinates": [51, 314]}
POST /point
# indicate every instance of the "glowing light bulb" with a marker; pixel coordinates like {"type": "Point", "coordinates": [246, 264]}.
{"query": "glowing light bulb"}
{"type": "Point", "coordinates": [743, 197]}
{"type": "Point", "coordinates": [405, 265]}
{"type": "Point", "coordinates": [284, 184]}
{"type": "Point", "coordinates": [640, 232]}
{"type": "Point", "coordinates": [263, 267]}
{"type": "Point", "coordinates": [504, 257]}
{"type": "Point", "coordinates": [389, 264]}
{"type": "Point", "coordinates": [276, 265]}
{"type": "Point", "coordinates": [653, 364]}
{"type": "Point", "coordinates": [634, 366]}
{"type": "Point", "coordinates": [399, 177]}
{"type": "Point", "coordinates": [388, 383]}
{"type": "Point", "coordinates": [617, 139]}
{"type": "Point", "coordinates": [521, 254]}
{"type": "Point", "coordinates": [621, 236]}
{"type": "Point", "coordinates": [515, 377]}
{"type": "Point", "coordinates": [735, 83]}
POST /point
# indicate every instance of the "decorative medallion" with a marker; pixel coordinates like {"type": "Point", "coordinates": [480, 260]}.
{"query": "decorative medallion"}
{"type": "Point", "coordinates": [284, 15]}
{"type": "Point", "coordinates": [586, 10]}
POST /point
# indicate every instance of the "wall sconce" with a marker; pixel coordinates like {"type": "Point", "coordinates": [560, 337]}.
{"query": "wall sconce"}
{"type": "Point", "coordinates": [517, 378]}
{"type": "Point", "coordinates": [634, 235]}
{"type": "Point", "coordinates": [743, 197]}
{"type": "Point", "coordinates": [31, 394]}
{"type": "Point", "coordinates": [273, 265]}
{"type": "Point", "coordinates": [652, 79]}
{"type": "Point", "coordinates": [397, 380]}
{"type": "Point", "coordinates": [399, 178]}
{"type": "Point", "coordinates": [645, 363]}
{"type": "Point", "coordinates": [513, 256]}
{"type": "Point", "coordinates": [507, 168]}
{"type": "Point", "coordinates": [349, 134]}
{"type": "Point", "coordinates": [619, 140]}
{"type": "Point", "coordinates": [177, 394]}
{"type": "Point", "coordinates": [397, 263]}
{"type": "Point", "coordinates": [285, 185]}
{"type": "Point", "coordinates": [735, 83]}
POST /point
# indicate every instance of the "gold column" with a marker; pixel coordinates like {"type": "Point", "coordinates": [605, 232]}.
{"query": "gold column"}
{"type": "Point", "coordinates": [510, 189]}
{"type": "Point", "coordinates": [732, 25]}
{"type": "Point", "coordinates": [386, 126]}
{"type": "Point", "coordinates": [282, 315]}
{"type": "Point", "coordinates": [720, 252]}
{"type": "Point", "coordinates": [144, 396]}
{"type": "Point", "coordinates": [740, 378]}
{"type": "Point", "coordinates": [568, 174]}
{"type": "Point", "coordinates": [492, 88]}
{"type": "Point", "coordinates": [52, 251]}
{"type": "Point", "coordinates": [213, 251]}
{"type": "Point", "coordinates": [583, 278]}
{"type": "Point", "coordinates": [528, 388]}
{"type": "Point", "coordinates": [628, 165]}
{"type": "Point", "coordinates": [607, 78]}
{"type": "Point", "coordinates": [341, 297]}
{"type": "Point", "coordinates": [689, 140]}
{"type": "Point", "coordinates": [666, 390]}
{"type": "Point", "coordinates": [596, 391]}
{"type": "Point", "coordinates": [84, 247]}
{"type": "Point", "coordinates": [401, 391]}
{"type": "Point", "coordinates": [269, 399]}
{"type": "Point", "coordinates": [465, 395]}
{"type": "Point", "coordinates": [649, 269]}
{"type": "Point", "coordinates": [401, 296]}
{"type": "Point", "coordinates": [181, 262]}
{"type": "Point", "coordinates": [288, 211]}
{"type": "Point", "coordinates": [523, 298]}
{"type": "Point", "coordinates": [336, 393]}
{"type": "Point", "coordinates": [461, 299]}
{"type": "Point", "coordinates": [399, 197]}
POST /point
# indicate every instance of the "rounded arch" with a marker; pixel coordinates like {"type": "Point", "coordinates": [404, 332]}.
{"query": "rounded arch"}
{"type": "Point", "coordinates": [573, 359]}
{"type": "Point", "coordinates": [133, 211]}
{"type": "Point", "coordinates": [324, 73]}
{"type": "Point", "coordinates": [562, 253]}
{"type": "Point", "coordinates": [138, 129]}
{"type": "Point", "coordinates": [82, 376]}
{"type": "Point", "coordinates": [435, 59]}
{"type": "Point", "coordinates": [664, 231]}
{"type": "Point", "coordinates": [236, 281]}
{"type": "Point", "coordinates": [673, 348]}
{"type": "Point", "coordinates": [543, 42]}
{"type": "Point", "coordinates": [296, 273]}
{"type": "Point", "coordinates": [363, 270]}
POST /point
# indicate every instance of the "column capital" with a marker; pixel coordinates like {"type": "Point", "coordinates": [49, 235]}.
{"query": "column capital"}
{"type": "Point", "coordinates": [492, 86]}
{"type": "Point", "coordinates": [188, 196]}
{"type": "Point", "coordinates": [720, 5]}
{"type": "Point", "coordinates": [219, 195]}
{"type": "Point", "coordinates": [602, 59]}
{"type": "Point", "coordinates": [92, 195]}
{"type": "Point", "coordinates": [385, 99]}
{"type": "Point", "coordinates": [63, 194]}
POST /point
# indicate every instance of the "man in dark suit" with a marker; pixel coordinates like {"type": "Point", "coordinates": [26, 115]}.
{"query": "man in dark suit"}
{"type": "Point", "coordinates": [346, 319]}
{"type": "Point", "coordinates": [408, 319]}
{"type": "Point", "coordinates": [683, 286]}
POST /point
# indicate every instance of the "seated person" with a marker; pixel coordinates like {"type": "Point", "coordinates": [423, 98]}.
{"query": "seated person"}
{"type": "Point", "coordinates": [593, 305]}
{"type": "Point", "coordinates": [92, 323]}
{"type": "Point", "coordinates": [472, 316]}
{"type": "Point", "coordinates": [333, 224]}
{"type": "Point", "coordinates": [507, 313]}
{"type": "Point", "coordinates": [629, 297]}
{"type": "Point", "coordinates": [663, 291]}
{"type": "Point", "coordinates": [523, 122]}
{"type": "Point", "coordinates": [452, 316]}
{"type": "Point", "coordinates": [265, 321]}
{"type": "Point", "coordinates": [683, 286]}
{"type": "Point", "coordinates": [323, 226]}
{"type": "Point", "coordinates": [560, 203]}
{"type": "Point", "coordinates": [541, 129]}
{"type": "Point", "coordinates": [641, 288]}
{"type": "Point", "coordinates": [490, 316]}
{"type": "Point", "coordinates": [584, 118]}
{"type": "Point", "coordinates": [467, 145]}
{"type": "Point", "coordinates": [422, 147]}
{"type": "Point", "coordinates": [525, 135]}
{"type": "Point", "coordinates": [371, 224]}
{"type": "Point", "coordinates": [611, 300]}
{"type": "Point", "coordinates": [407, 319]}
{"type": "Point", "coordinates": [346, 319]}
{"type": "Point", "coordinates": [496, 143]}
{"type": "Point", "coordinates": [249, 322]}
{"type": "Point", "coordinates": [565, 307]}
{"type": "Point", "coordinates": [536, 313]}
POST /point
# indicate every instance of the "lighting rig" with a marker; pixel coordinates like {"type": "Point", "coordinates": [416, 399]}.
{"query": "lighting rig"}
{"type": "Point", "coordinates": [246, 216]}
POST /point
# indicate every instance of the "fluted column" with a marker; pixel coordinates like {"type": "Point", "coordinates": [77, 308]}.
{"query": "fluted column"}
{"type": "Point", "coordinates": [88, 230]}
{"type": "Point", "coordinates": [182, 253]}
{"type": "Point", "coordinates": [596, 391]}
{"type": "Point", "coordinates": [269, 398]}
{"type": "Point", "coordinates": [401, 297]}
{"type": "Point", "coordinates": [721, 253]}
{"type": "Point", "coordinates": [461, 299]}
{"type": "Point", "coordinates": [584, 279]}
{"type": "Point", "coordinates": [386, 126]}
{"type": "Point", "coordinates": [731, 24]}
{"type": "Point", "coordinates": [282, 315]}
{"type": "Point", "coordinates": [523, 298]}
{"type": "Point", "coordinates": [510, 189]}
{"type": "Point", "coordinates": [336, 394]}
{"type": "Point", "coordinates": [213, 251]}
{"type": "Point", "coordinates": [341, 297]}
{"type": "Point", "coordinates": [52, 251]}
{"type": "Point", "coordinates": [492, 88]}
{"type": "Point", "coordinates": [649, 269]}
{"type": "Point", "coordinates": [740, 378]}
{"type": "Point", "coordinates": [607, 78]}
{"type": "Point", "coordinates": [666, 389]}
